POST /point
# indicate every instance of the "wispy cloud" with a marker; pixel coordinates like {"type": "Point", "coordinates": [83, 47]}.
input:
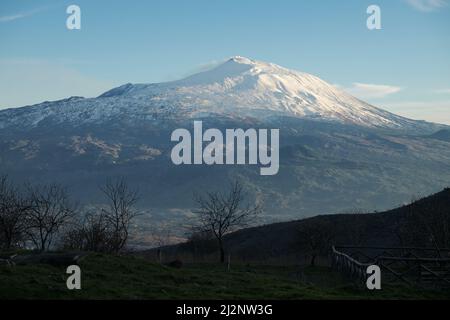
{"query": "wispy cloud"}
{"type": "Point", "coordinates": [20, 15]}
{"type": "Point", "coordinates": [12, 17]}
{"type": "Point", "coordinates": [427, 5]}
{"type": "Point", "coordinates": [444, 91]}
{"type": "Point", "coordinates": [434, 111]}
{"type": "Point", "coordinates": [371, 91]}
{"type": "Point", "coordinates": [203, 67]}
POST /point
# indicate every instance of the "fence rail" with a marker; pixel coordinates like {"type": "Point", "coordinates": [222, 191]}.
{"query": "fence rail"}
{"type": "Point", "coordinates": [411, 265]}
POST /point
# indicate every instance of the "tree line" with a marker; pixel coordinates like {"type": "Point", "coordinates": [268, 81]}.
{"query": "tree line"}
{"type": "Point", "coordinates": [44, 217]}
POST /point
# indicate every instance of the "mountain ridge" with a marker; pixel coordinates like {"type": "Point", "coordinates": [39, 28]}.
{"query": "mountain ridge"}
{"type": "Point", "coordinates": [325, 165]}
{"type": "Point", "coordinates": [273, 241]}
{"type": "Point", "coordinates": [239, 87]}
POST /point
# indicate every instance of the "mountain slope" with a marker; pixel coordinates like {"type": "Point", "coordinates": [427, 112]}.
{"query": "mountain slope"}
{"type": "Point", "coordinates": [336, 152]}
{"type": "Point", "coordinates": [237, 88]}
{"type": "Point", "coordinates": [248, 87]}
{"type": "Point", "coordinates": [279, 241]}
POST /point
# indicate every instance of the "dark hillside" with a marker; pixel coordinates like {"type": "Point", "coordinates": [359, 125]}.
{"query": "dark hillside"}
{"type": "Point", "coordinates": [281, 243]}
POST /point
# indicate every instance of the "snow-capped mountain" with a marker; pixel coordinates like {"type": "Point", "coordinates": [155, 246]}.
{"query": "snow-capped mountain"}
{"type": "Point", "coordinates": [247, 87]}
{"type": "Point", "coordinates": [336, 152]}
{"type": "Point", "coordinates": [239, 87]}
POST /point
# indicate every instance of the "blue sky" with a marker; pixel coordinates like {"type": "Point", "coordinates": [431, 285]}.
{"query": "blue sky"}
{"type": "Point", "coordinates": [404, 68]}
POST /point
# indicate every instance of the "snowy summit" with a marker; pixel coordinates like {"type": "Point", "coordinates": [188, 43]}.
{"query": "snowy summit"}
{"type": "Point", "coordinates": [239, 87]}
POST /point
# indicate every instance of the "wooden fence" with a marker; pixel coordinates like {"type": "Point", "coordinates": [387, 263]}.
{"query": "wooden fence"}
{"type": "Point", "coordinates": [411, 265]}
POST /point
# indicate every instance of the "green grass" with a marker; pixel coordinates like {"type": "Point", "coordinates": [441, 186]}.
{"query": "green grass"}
{"type": "Point", "coordinates": [128, 277]}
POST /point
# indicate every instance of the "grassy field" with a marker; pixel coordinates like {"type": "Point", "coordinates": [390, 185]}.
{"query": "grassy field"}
{"type": "Point", "coordinates": [129, 277]}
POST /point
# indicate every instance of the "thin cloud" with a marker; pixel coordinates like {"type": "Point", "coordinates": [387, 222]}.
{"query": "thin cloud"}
{"type": "Point", "coordinates": [12, 17]}
{"type": "Point", "coordinates": [203, 67]}
{"type": "Point", "coordinates": [427, 5]}
{"type": "Point", "coordinates": [371, 91]}
{"type": "Point", "coordinates": [444, 91]}
{"type": "Point", "coordinates": [434, 111]}
{"type": "Point", "coordinates": [21, 15]}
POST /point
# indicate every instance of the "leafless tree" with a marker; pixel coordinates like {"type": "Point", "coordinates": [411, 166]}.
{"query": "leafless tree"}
{"type": "Point", "coordinates": [73, 238]}
{"type": "Point", "coordinates": [50, 209]}
{"type": "Point", "coordinates": [105, 229]}
{"type": "Point", "coordinates": [221, 213]}
{"type": "Point", "coordinates": [91, 234]}
{"type": "Point", "coordinates": [315, 237]}
{"type": "Point", "coordinates": [161, 237]}
{"type": "Point", "coordinates": [119, 211]}
{"type": "Point", "coordinates": [97, 233]}
{"type": "Point", "coordinates": [12, 214]}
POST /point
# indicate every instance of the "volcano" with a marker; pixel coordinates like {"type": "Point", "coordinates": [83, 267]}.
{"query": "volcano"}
{"type": "Point", "coordinates": [239, 88]}
{"type": "Point", "coordinates": [337, 153]}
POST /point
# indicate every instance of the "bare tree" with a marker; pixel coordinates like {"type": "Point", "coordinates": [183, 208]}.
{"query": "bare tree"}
{"type": "Point", "coordinates": [315, 237]}
{"type": "Point", "coordinates": [12, 214]}
{"type": "Point", "coordinates": [120, 211]}
{"type": "Point", "coordinates": [73, 238]}
{"type": "Point", "coordinates": [49, 210]}
{"type": "Point", "coordinates": [91, 234]}
{"type": "Point", "coordinates": [105, 229]}
{"type": "Point", "coordinates": [221, 213]}
{"type": "Point", "coordinates": [161, 237]}
{"type": "Point", "coordinates": [97, 232]}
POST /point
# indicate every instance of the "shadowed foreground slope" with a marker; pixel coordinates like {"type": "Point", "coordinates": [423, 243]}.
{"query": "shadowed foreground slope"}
{"type": "Point", "coordinates": [279, 243]}
{"type": "Point", "coordinates": [126, 277]}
